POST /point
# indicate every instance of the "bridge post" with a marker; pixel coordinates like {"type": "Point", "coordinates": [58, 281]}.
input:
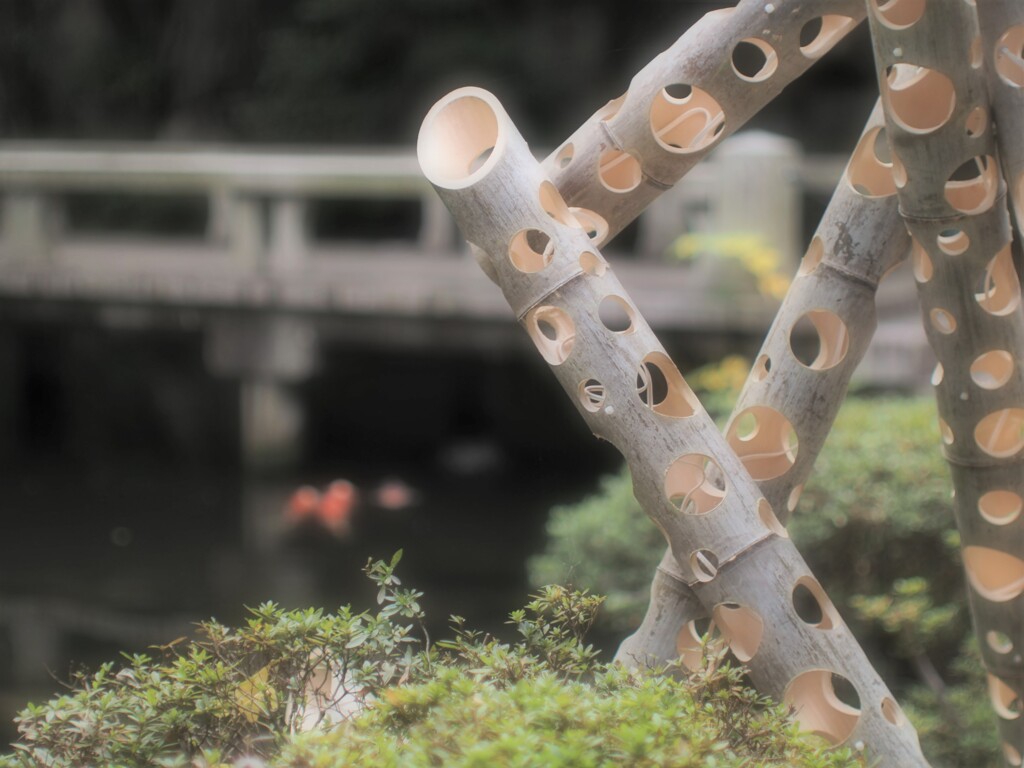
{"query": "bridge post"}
{"type": "Point", "coordinates": [758, 192]}
{"type": "Point", "coordinates": [24, 224]}
{"type": "Point", "coordinates": [437, 232]}
{"type": "Point", "coordinates": [35, 644]}
{"type": "Point", "coordinates": [288, 233]}
{"type": "Point", "coordinates": [267, 354]}
{"type": "Point", "coordinates": [237, 217]}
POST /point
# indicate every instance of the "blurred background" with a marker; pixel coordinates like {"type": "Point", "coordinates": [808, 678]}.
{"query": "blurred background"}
{"type": "Point", "coordinates": [242, 346]}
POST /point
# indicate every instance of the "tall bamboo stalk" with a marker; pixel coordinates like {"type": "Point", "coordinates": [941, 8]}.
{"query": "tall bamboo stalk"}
{"type": "Point", "coordinates": [713, 79]}
{"type": "Point", "coordinates": [788, 404]}
{"type": "Point", "coordinates": [724, 536]}
{"type": "Point", "coordinates": [1002, 44]}
{"type": "Point", "coordinates": [930, 62]}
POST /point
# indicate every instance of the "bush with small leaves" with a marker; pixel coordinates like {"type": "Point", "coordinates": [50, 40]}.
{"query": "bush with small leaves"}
{"type": "Point", "coordinates": [304, 689]}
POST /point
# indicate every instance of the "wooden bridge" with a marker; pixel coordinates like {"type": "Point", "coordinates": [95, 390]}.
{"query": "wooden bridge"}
{"type": "Point", "coordinates": [255, 249]}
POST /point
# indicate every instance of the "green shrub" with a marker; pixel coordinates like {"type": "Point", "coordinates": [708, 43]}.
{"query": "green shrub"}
{"type": "Point", "coordinates": [875, 524]}
{"type": "Point", "coordinates": [234, 697]}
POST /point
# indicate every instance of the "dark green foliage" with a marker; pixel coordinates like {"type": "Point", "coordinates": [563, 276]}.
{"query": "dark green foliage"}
{"type": "Point", "coordinates": [876, 526]}
{"type": "Point", "coordinates": [473, 700]}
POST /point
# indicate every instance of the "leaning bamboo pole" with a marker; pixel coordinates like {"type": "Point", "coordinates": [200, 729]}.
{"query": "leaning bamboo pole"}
{"type": "Point", "coordinates": [788, 403]}
{"type": "Point", "coordinates": [714, 78]}
{"type": "Point", "coordinates": [930, 64]}
{"type": "Point", "coordinates": [1002, 44]}
{"type": "Point", "coordinates": [724, 535]}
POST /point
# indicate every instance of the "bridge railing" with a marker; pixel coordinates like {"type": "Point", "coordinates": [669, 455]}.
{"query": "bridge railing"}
{"type": "Point", "coordinates": [257, 205]}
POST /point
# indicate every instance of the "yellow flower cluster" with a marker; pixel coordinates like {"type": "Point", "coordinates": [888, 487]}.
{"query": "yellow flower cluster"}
{"type": "Point", "coordinates": [748, 249]}
{"type": "Point", "coordinates": [726, 375]}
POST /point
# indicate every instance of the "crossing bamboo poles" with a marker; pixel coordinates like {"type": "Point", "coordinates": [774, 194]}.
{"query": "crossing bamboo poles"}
{"type": "Point", "coordinates": [788, 404]}
{"type": "Point", "coordinates": [713, 79]}
{"type": "Point", "coordinates": [930, 62]}
{"type": "Point", "coordinates": [722, 532]}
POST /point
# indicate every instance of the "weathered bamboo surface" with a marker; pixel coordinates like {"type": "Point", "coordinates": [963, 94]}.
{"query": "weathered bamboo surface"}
{"type": "Point", "coordinates": [931, 62]}
{"type": "Point", "coordinates": [713, 79]}
{"type": "Point", "coordinates": [1002, 45]}
{"type": "Point", "coordinates": [723, 534]}
{"type": "Point", "coordinates": [789, 402]}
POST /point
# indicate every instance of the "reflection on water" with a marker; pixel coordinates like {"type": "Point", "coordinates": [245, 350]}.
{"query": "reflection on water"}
{"type": "Point", "coordinates": [95, 563]}
{"type": "Point", "coordinates": [128, 512]}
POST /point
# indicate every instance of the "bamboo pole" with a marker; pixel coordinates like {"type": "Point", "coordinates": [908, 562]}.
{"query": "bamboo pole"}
{"type": "Point", "coordinates": [1002, 44]}
{"type": "Point", "coordinates": [788, 404]}
{"type": "Point", "coordinates": [713, 79]}
{"type": "Point", "coordinates": [724, 535]}
{"type": "Point", "coordinates": [930, 64]}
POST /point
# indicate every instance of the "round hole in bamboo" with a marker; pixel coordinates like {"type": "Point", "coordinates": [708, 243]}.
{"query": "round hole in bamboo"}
{"type": "Point", "coordinates": [813, 606]}
{"type": "Point", "coordinates": [1011, 754]}
{"type": "Point", "coordinates": [898, 14]}
{"type": "Point", "coordinates": [899, 173]}
{"type": "Point", "coordinates": [754, 60]}
{"type": "Point", "coordinates": [972, 187]}
{"type": "Point", "coordinates": [977, 53]}
{"type": "Point", "coordinates": [768, 449]}
{"type": "Point", "coordinates": [977, 122]}
{"type": "Point", "coordinates": [619, 171]}
{"type": "Point", "coordinates": [920, 99]}
{"type": "Point", "coordinates": [866, 173]}
{"type": "Point", "coordinates": [693, 638]}
{"type": "Point", "coordinates": [1018, 199]}
{"type": "Point", "coordinates": [1001, 433]}
{"type": "Point", "coordinates": [794, 498]}
{"type": "Point", "coordinates": [685, 119]}
{"type": "Point", "coordinates": [1005, 700]}
{"type": "Point", "coordinates": [952, 241]}
{"type": "Point", "coordinates": [553, 204]}
{"type": "Point", "coordinates": [938, 374]}
{"type": "Point", "coordinates": [999, 642]}
{"type": "Point", "coordinates": [744, 426]}
{"type": "Point", "coordinates": [817, 707]}
{"type": "Point", "coordinates": [891, 712]}
{"type": "Point", "coordinates": [945, 432]}
{"type": "Point", "coordinates": [920, 262]}
{"type": "Point", "coordinates": [552, 331]}
{"type": "Point", "coordinates": [829, 330]}
{"type": "Point", "coordinates": [458, 138]}
{"type": "Point", "coordinates": [694, 484]}
{"type": "Point", "coordinates": [593, 264]}
{"type": "Point", "coordinates": [942, 320]}
{"type": "Point", "coordinates": [813, 257]}
{"type": "Point", "coordinates": [704, 563]}
{"type": "Point", "coordinates": [531, 250]}
{"type": "Point", "coordinates": [592, 395]}
{"type": "Point", "coordinates": [564, 156]}
{"type": "Point", "coordinates": [818, 35]}
{"type": "Point", "coordinates": [688, 647]}
{"type": "Point", "coordinates": [991, 370]}
{"type": "Point", "coordinates": [995, 575]}
{"type": "Point", "coordinates": [998, 290]}
{"type": "Point", "coordinates": [662, 388]}
{"type": "Point", "coordinates": [741, 627]}
{"type": "Point", "coordinates": [593, 224]}
{"type": "Point", "coordinates": [770, 520]}
{"type": "Point", "coordinates": [616, 314]}
{"type": "Point", "coordinates": [762, 367]}
{"type": "Point", "coordinates": [1009, 55]}
{"type": "Point", "coordinates": [1000, 507]}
